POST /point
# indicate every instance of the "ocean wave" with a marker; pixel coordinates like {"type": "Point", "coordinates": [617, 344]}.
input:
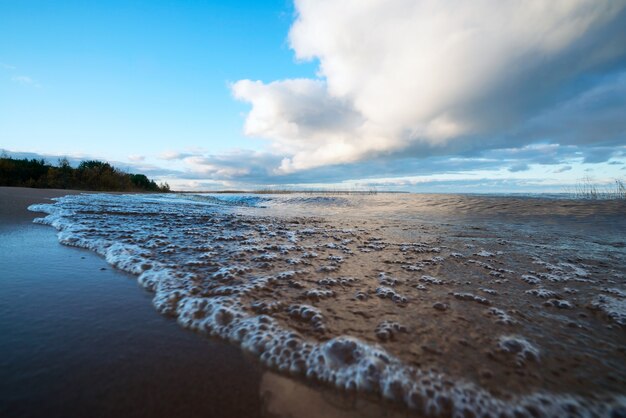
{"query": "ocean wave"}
{"type": "Point", "coordinates": [208, 273]}
{"type": "Point", "coordinates": [227, 200]}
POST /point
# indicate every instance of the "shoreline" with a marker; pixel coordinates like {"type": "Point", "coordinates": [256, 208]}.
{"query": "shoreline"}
{"type": "Point", "coordinates": [81, 338]}
{"type": "Point", "coordinates": [78, 341]}
{"type": "Point", "coordinates": [86, 221]}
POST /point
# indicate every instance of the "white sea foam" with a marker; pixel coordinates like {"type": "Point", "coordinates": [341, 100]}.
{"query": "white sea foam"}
{"type": "Point", "coordinates": [216, 306]}
{"type": "Point", "coordinates": [613, 308]}
{"type": "Point", "coordinates": [522, 348]}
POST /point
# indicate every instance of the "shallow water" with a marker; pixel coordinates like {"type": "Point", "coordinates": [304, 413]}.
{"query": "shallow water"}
{"type": "Point", "coordinates": [80, 340]}
{"type": "Point", "coordinates": [444, 303]}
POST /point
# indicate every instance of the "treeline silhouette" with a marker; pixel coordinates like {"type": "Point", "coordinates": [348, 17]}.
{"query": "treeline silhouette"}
{"type": "Point", "coordinates": [89, 175]}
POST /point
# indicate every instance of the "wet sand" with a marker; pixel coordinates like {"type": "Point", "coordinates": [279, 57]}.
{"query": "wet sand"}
{"type": "Point", "coordinates": [82, 339]}
{"type": "Point", "coordinates": [448, 315]}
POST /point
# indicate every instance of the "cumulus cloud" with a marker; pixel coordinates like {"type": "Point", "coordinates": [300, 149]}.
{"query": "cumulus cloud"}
{"type": "Point", "coordinates": [520, 169]}
{"type": "Point", "coordinates": [173, 155]}
{"type": "Point", "coordinates": [600, 154]}
{"type": "Point", "coordinates": [25, 80]}
{"type": "Point", "coordinates": [246, 167]}
{"type": "Point", "coordinates": [435, 77]}
{"type": "Point", "coordinates": [300, 115]}
{"type": "Point", "coordinates": [593, 117]}
{"type": "Point", "coordinates": [239, 165]}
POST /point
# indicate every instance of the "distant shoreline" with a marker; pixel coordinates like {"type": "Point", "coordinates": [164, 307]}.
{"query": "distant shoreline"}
{"type": "Point", "coordinates": [88, 175]}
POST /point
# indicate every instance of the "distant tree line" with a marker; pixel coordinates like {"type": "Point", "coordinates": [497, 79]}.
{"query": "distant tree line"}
{"type": "Point", "coordinates": [89, 175]}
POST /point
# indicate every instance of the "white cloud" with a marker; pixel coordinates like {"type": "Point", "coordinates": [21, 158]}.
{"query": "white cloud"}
{"type": "Point", "coordinates": [208, 167]}
{"type": "Point", "coordinates": [136, 158]}
{"type": "Point", "coordinates": [299, 116]}
{"type": "Point", "coordinates": [172, 155]}
{"type": "Point", "coordinates": [24, 80]}
{"type": "Point", "coordinates": [428, 75]}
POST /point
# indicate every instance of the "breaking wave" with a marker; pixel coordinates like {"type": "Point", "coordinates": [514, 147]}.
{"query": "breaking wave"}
{"type": "Point", "coordinates": [356, 307]}
{"type": "Point", "coordinates": [227, 200]}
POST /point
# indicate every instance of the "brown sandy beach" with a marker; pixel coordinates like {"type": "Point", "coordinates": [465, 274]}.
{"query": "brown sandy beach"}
{"type": "Point", "coordinates": [81, 339]}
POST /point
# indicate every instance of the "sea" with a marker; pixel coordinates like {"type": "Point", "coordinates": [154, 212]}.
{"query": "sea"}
{"type": "Point", "coordinates": [448, 305]}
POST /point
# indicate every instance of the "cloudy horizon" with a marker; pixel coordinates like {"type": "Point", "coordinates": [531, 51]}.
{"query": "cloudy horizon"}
{"type": "Point", "coordinates": [400, 95]}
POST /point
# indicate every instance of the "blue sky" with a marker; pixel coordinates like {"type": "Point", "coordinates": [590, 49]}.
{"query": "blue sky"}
{"type": "Point", "coordinates": [386, 94]}
{"type": "Point", "coordinates": [124, 77]}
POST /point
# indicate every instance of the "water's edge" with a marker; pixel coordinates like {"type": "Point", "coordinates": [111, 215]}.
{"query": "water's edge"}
{"type": "Point", "coordinates": [344, 362]}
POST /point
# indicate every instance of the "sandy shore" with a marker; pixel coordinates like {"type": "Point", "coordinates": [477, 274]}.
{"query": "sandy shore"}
{"type": "Point", "coordinates": [15, 200]}
{"type": "Point", "coordinates": [81, 339]}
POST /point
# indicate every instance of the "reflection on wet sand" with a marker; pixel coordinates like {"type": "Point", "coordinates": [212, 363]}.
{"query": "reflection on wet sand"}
{"type": "Point", "coordinates": [285, 398]}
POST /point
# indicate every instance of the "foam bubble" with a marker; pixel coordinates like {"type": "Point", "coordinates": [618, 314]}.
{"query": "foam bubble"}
{"type": "Point", "coordinates": [542, 293]}
{"type": "Point", "coordinates": [196, 260]}
{"type": "Point", "coordinates": [388, 293]}
{"type": "Point", "coordinates": [530, 279]}
{"type": "Point", "coordinates": [431, 280]}
{"type": "Point", "coordinates": [559, 303]}
{"type": "Point", "coordinates": [614, 309]}
{"type": "Point", "coordinates": [471, 297]}
{"type": "Point", "coordinates": [502, 317]}
{"type": "Point", "coordinates": [386, 330]}
{"type": "Point", "coordinates": [522, 348]}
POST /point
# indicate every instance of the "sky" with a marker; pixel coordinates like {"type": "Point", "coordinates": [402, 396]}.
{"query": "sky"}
{"type": "Point", "coordinates": [416, 95]}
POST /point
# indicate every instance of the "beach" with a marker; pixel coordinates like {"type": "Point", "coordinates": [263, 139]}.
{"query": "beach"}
{"type": "Point", "coordinates": [80, 338]}
{"type": "Point", "coordinates": [359, 305]}
{"type": "Point", "coordinates": [313, 208]}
